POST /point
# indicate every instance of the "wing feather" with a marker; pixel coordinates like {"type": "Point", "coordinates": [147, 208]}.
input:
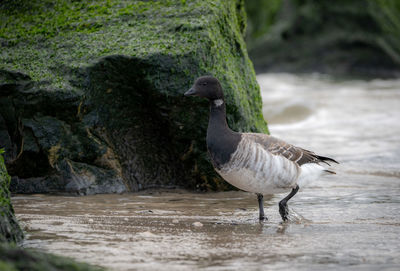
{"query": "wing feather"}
{"type": "Point", "coordinates": [296, 154]}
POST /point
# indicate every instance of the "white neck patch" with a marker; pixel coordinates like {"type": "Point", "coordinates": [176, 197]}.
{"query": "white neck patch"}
{"type": "Point", "coordinates": [218, 102]}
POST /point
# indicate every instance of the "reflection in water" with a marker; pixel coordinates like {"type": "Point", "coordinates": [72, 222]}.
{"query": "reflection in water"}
{"type": "Point", "coordinates": [347, 221]}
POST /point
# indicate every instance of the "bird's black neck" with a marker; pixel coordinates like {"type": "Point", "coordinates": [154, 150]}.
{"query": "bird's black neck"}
{"type": "Point", "coordinates": [217, 120]}
{"type": "Point", "coordinates": [221, 140]}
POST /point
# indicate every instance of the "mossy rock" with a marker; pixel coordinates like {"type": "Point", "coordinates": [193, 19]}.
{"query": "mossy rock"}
{"type": "Point", "coordinates": [92, 99]}
{"type": "Point", "coordinates": [341, 38]}
{"type": "Point", "coordinates": [13, 258]}
{"type": "Point", "coordinates": [9, 228]}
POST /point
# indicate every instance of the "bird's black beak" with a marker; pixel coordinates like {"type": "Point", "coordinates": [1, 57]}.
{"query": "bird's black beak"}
{"type": "Point", "coordinates": [190, 92]}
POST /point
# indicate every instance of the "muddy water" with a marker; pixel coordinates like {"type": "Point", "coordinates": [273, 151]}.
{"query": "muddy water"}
{"type": "Point", "coordinates": [350, 221]}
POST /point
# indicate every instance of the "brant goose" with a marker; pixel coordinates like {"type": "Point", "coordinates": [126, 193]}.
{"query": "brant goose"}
{"type": "Point", "coordinates": [254, 162]}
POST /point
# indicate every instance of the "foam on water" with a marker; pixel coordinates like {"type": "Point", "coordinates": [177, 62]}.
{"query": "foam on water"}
{"type": "Point", "coordinates": [354, 121]}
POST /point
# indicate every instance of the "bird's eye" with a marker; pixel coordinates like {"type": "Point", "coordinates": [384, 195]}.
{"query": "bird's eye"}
{"type": "Point", "coordinates": [204, 84]}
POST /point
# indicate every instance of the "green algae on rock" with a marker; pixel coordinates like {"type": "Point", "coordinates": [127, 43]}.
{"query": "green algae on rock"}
{"type": "Point", "coordinates": [386, 14]}
{"type": "Point", "coordinates": [9, 228]}
{"type": "Point", "coordinates": [342, 38]}
{"type": "Point", "coordinates": [92, 98]}
{"type": "Point", "coordinates": [13, 258]}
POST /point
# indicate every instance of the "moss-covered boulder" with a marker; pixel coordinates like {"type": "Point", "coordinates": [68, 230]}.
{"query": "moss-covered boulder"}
{"type": "Point", "coordinates": [92, 92]}
{"type": "Point", "coordinates": [9, 228]}
{"type": "Point", "coordinates": [13, 258]}
{"type": "Point", "coordinates": [342, 37]}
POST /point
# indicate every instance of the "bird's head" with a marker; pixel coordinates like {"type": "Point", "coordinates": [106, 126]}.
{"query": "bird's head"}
{"type": "Point", "coordinates": [206, 87]}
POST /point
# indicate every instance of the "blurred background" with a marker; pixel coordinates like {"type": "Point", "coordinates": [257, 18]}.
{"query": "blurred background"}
{"type": "Point", "coordinates": [328, 73]}
{"type": "Point", "coordinates": [329, 78]}
{"type": "Point", "coordinates": [336, 37]}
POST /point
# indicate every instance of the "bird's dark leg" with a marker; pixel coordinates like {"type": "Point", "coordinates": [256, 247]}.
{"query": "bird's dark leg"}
{"type": "Point", "coordinates": [260, 198]}
{"type": "Point", "coordinates": [283, 208]}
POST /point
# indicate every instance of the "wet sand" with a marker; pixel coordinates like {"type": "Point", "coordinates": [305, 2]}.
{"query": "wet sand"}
{"type": "Point", "coordinates": [333, 225]}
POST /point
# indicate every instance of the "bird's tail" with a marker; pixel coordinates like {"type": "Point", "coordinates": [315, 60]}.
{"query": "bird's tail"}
{"type": "Point", "coordinates": [311, 172]}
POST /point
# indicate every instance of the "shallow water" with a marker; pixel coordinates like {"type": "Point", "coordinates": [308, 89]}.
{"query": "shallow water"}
{"type": "Point", "coordinates": [349, 221]}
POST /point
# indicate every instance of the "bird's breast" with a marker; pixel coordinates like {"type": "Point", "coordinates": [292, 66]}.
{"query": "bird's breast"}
{"type": "Point", "coordinates": [221, 145]}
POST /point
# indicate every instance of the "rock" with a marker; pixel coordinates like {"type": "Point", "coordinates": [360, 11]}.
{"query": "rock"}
{"type": "Point", "coordinates": [94, 103]}
{"type": "Point", "coordinates": [346, 38]}
{"type": "Point", "coordinates": [147, 234]}
{"type": "Point", "coordinates": [16, 258]}
{"type": "Point", "coordinates": [197, 224]}
{"type": "Point", "coordinates": [9, 228]}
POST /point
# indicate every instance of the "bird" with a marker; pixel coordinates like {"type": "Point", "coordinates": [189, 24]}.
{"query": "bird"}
{"type": "Point", "coordinates": [255, 162]}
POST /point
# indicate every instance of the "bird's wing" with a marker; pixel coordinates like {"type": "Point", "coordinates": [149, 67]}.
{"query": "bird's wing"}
{"type": "Point", "coordinates": [279, 147]}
